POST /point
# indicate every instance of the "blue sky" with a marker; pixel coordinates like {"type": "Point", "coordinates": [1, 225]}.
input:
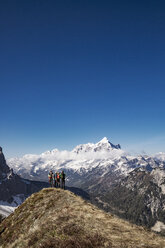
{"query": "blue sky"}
{"type": "Point", "coordinates": [73, 72]}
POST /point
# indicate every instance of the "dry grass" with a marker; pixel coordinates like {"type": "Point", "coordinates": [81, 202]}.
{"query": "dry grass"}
{"type": "Point", "coordinates": [58, 218]}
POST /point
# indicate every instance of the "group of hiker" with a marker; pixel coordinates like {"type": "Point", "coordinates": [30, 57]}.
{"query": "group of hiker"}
{"type": "Point", "coordinates": [57, 179]}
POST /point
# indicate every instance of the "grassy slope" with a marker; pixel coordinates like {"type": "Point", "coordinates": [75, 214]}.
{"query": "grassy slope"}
{"type": "Point", "coordinates": [58, 218]}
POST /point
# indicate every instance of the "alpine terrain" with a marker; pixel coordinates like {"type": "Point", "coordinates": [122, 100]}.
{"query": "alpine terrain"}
{"type": "Point", "coordinates": [129, 186]}
{"type": "Point", "coordinates": [14, 189]}
{"type": "Point", "coordinates": [58, 218]}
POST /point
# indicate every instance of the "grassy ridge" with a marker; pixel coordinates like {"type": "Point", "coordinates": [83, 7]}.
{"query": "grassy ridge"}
{"type": "Point", "coordinates": [58, 218]}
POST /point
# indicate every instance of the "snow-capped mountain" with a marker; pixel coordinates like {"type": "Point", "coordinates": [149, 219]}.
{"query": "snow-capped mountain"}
{"type": "Point", "coordinates": [102, 145]}
{"type": "Point", "coordinates": [80, 160]}
{"type": "Point", "coordinates": [102, 169]}
{"type": "Point", "coordinates": [95, 160]}
{"type": "Point", "coordinates": [160, 156]}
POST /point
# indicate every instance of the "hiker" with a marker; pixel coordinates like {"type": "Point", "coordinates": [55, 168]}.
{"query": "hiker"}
{"type": "Point", "coordinates": [50, 177]}
{"type": "Point", "coordinates": [55, 179]}
{"type": "Point", "coordinates": [62, 175]}
{"type": "Point", "coordinates": [58, 179]}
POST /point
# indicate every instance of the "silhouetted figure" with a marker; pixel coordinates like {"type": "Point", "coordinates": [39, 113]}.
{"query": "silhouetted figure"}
{"type": "Point", "coordinates": [55, 180]}
{"type": "Point", "coordinates": [62, 175]}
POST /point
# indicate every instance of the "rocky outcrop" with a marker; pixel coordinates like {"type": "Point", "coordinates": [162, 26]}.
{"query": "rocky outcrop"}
{"type": "Point", "coordinates": [4, 168]}
{"type": "Point", "coordinates": [12, 185]}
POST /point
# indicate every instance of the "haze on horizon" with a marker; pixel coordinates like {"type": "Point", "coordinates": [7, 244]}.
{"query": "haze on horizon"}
{"type": "Point", "coordinates": [72, 72]}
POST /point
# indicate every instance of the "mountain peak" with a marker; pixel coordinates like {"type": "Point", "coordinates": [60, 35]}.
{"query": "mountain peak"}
{"type": "Point", "coordinates": [103, 145]}
{"type": "Point", "coordinates": [106, 143]}
{"type": "Point", "coordinates": [4, 168]}
{"type": "Point", "coordinates": [104, 140]}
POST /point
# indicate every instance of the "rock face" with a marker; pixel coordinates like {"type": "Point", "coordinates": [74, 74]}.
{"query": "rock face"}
{"type": "Point", "coordinates": [4, 168]}
{"type": "Point", "coordinates": [140, 198]}
{"type": "Point", "coordinates": [13, 188]}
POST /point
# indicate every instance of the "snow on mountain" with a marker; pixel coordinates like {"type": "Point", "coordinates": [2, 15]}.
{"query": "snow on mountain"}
{"type": "Point", "coordinates": [159, 178]}
{"type": "Point", "coordinates": [81, 160]}
{"type": "Point", "coordinates": [95, 168]}
{"type": "Point", "coordinates": [160, 156]}
{"type": "Point", "coordinates": [14, 189]}
{"type": "Point", "coordinates": [102, 145]}
{"type": "Point", "coordinates": [83, 157]}
{"type": "Point", "coordinates": [7, 208]}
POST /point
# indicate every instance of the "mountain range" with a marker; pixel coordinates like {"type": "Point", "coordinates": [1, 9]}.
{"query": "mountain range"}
{"type": "Point", "coordinates": [84, 159]}
{"type": "Point", "coordinates": [115, 180]}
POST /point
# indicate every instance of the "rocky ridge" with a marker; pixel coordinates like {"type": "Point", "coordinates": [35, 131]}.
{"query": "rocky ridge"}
{"type": "Point", "coordinates": [58, 218]}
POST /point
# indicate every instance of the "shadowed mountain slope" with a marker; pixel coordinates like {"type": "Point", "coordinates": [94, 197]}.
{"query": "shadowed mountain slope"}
{"type": "Point", "coordinates": [58, 218]}
{"type": "Point", "coordinates": [139, 198]}
{"type": "Point", "coordinates": [12, 185]}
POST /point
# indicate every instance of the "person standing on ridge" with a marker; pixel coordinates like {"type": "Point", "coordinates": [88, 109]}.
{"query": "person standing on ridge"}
{"type": "Point", "coordinates": [50, 177]}
{"type": "Point", "coordinates": [58, 180]}
{"type": "Point", "coordinates": [62, 180]}
{"type": "Point", "coordinates": [55, 179]}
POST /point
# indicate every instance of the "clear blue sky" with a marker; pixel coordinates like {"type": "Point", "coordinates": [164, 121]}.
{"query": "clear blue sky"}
{"type": "Point", "coordinates": [73, 72]}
